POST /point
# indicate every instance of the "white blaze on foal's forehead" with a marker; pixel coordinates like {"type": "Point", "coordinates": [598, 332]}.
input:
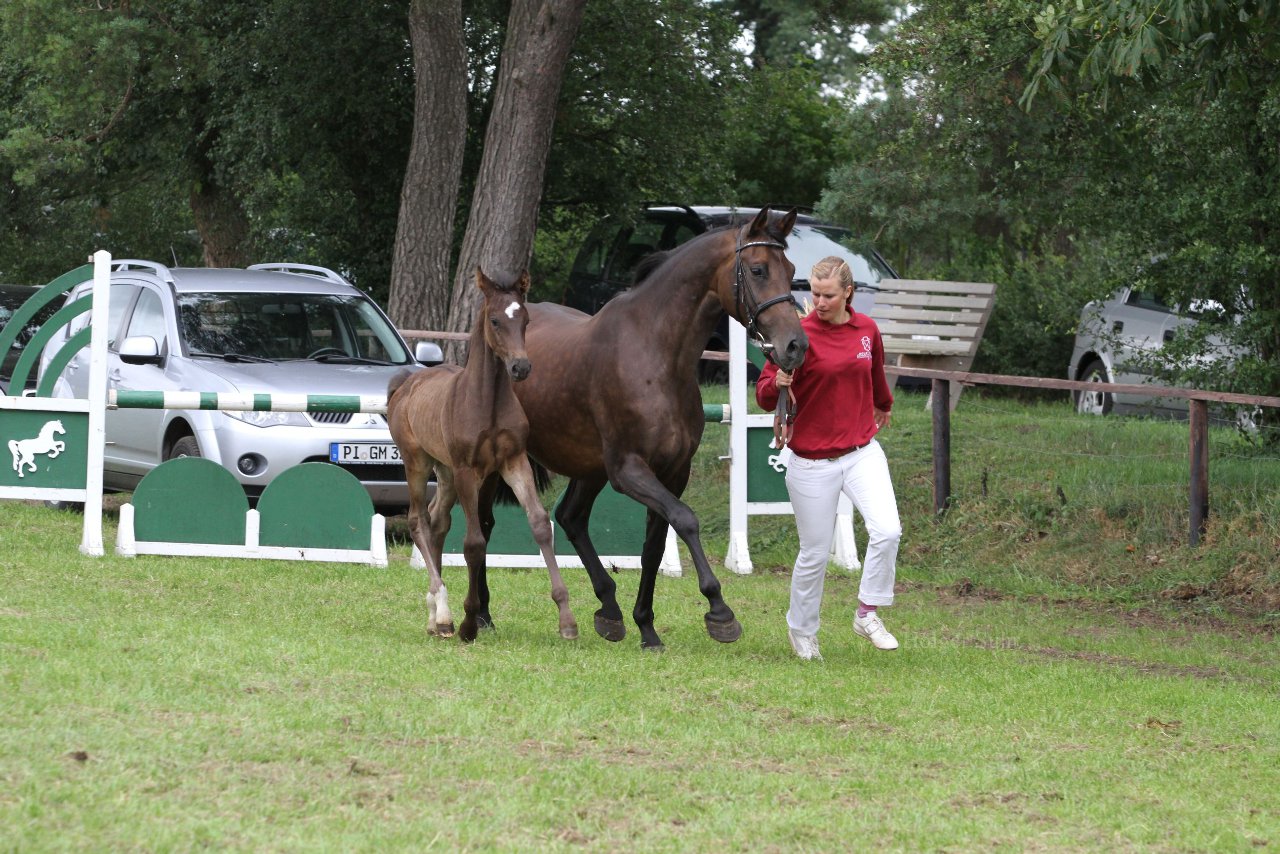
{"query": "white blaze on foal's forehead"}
{"type": "Point", "coordinates": [512, 309]}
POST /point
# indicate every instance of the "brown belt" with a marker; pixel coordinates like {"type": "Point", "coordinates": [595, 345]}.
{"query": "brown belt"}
{"type": "Point", "coordinates": [838, 454]}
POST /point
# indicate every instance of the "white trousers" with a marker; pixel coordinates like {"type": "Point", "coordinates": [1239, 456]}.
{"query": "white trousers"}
{"type": "Point", "coordinates": [815, 487]}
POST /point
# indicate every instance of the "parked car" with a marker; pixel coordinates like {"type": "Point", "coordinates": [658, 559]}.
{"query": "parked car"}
{"type": "Point", "coordinates": [1114, 343]}
{"type": "Point", "coordinates": [11, 299]}
{"type": "Point", "coordinates": [606, 263]}
{"type": "Point", "coordinates": [271, 328]}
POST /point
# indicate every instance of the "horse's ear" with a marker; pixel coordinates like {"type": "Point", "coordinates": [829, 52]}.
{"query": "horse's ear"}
{"type": "Point", "coordinates": [522, 284]}
{"type": "Point", "coordinates": [788, 222]}
{"type": "Point", "coordinates": [761, 220]}
{"type": "Point", "coordinates": [483, 282]}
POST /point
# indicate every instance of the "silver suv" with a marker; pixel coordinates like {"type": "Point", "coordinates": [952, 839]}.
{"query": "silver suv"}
{"type": "Point", "coordinates": [271, 328]}
{"type": "Point", "coordinates": [1117, 341]}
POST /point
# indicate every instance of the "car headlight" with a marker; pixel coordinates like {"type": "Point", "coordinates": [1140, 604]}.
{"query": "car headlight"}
{"type": "Point", "coordinates": [270, 419]}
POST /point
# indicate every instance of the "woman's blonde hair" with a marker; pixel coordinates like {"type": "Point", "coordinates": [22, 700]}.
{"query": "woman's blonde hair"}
{"type": "Point", "coordinates": [831, 267]}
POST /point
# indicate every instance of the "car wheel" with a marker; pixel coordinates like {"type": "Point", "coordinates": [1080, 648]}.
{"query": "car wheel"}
{"type": "Point", "coordinates": [1094, 402]}
{"type": "Point", "coordinates": [187, 446]}
{"type": "Point", "coordinates": [65, 506]}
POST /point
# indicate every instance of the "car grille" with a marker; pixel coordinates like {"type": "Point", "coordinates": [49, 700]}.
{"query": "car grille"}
{"type": "Point", "coordinates": [366, 472]}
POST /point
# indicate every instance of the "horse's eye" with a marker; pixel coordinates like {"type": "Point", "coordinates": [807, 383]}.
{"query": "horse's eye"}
{"type": "Point", "coordinates": [757, 270]}
{"type": "Point", "coordinates": [493, 321]}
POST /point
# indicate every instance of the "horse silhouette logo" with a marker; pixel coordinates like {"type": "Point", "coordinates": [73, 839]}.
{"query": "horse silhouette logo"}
{"type": "Point", "coordinates": [25, 450]}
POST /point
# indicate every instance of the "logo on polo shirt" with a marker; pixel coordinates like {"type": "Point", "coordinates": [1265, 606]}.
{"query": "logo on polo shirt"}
{"type": "Point", "coordinates": [866, 348]}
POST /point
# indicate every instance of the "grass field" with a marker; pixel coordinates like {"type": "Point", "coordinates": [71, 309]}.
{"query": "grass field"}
{"type": "Point", "coordinates": [1072, 677]}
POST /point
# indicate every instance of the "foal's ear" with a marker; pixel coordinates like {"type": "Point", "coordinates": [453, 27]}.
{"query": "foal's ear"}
{"type": "Point", "coordinates": [483, 282]}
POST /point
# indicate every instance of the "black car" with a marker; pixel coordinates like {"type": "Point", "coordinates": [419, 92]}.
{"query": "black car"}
{"type": "Point", "coordinates": [11, 299]}
{"type": "Point", "coordinates": [606, 264]}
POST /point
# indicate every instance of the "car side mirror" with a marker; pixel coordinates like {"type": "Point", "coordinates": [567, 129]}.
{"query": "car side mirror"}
{"type": "Point", "coordinates": [140, 350]}
{"type": "Point", "coordinates": [428, 353]}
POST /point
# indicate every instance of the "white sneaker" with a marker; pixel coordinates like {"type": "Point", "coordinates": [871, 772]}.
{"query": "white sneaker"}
{"type": "Point", "coordinates": [873, 630]}
{"type": "Point", "coordinates": [806, 648]}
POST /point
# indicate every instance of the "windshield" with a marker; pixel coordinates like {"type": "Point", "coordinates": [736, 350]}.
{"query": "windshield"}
{"type": "Point", "coordinates": [809, 244]}
{"type": "Point", "coordinates": [280, 327]}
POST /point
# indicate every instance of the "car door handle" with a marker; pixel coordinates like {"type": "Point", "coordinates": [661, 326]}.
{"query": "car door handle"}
{"type": "Point", "coordinates": [1117, 326]}
{"type": "Point", "coordinates": [115, 376]}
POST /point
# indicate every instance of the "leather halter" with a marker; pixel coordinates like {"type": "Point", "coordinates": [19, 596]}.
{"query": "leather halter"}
{"type": "Point", "coordinates": [745, 301]}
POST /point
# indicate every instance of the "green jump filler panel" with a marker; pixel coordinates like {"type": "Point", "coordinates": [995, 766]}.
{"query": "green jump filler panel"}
{"type": "Point", "coordinates": [190, 500]}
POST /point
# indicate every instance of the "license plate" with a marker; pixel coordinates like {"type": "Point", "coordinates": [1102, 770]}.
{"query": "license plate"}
{"type": "Point", "coordinates": [364, 452]}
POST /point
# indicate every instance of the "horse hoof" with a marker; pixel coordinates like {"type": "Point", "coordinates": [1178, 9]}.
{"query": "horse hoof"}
{"type": "Point", "coordinates": [485, 624]}
{"type": "Point", "coordinates": [569, 632]}
{"type": "Point", "coordinates": [610, 630]}
{"type": "Point", "coordinates": [653, 647]}
{"type": "Point", "coordinates": [726, 632]}
{"type": "Point", "coordinates": [443, 630]}
{"type": "Point", "coordinates": [467, 632]}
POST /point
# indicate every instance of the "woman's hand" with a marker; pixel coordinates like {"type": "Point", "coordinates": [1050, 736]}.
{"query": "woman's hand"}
{"type": "Point", "coordinates": [882, 418]}
{"type": "Point", "coordinates": [782, 379]}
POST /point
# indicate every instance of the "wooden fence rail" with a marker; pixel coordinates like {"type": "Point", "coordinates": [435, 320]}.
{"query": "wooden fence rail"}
{"type": "Point", "coordinates": [1198, 447]}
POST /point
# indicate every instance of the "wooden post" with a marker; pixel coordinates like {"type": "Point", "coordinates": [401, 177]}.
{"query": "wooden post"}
{"type": "Point", "coordinates": [1199, 468]}
{"type": "Point", "coordinates": [941, 446]}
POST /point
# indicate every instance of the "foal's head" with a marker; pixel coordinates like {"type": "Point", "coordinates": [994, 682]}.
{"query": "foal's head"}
{"type": "Point", "coordinates": [504, 316]}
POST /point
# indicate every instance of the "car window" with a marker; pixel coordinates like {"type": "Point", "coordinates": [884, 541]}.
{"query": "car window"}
{"type": "Point", "coordinates": [148, 318]}
{"type": "Point", "coordinates": [644, 239]}
{"type": "Point", "coordinates": [807, 245]}
{"type": "Point", "coordinates": [591, 258]}
{"type": "Point", "coordinates": [1143, 299]}
{"type": "Point", "coordinates": [282, 327]}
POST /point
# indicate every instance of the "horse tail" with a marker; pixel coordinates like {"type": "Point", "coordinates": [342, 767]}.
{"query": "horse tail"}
{"type": "Point", "coordinates": [541, 479]}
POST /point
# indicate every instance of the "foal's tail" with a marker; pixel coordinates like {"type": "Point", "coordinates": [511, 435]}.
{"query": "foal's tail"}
{"type": "Point", "coordinates": [398, 380]}
{"type": "Point", "coordinates": [541, 479]}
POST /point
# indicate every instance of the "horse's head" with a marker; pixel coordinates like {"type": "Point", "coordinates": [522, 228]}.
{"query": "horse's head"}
{"type": "Point", "coordinates": [56, 426]}
{"type": "Point", "coordinates": [505, 317]}
{"type": "Point", "coordinates": [758, 289]}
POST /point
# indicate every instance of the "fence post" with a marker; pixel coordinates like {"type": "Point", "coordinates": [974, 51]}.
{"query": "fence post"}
{"type": "Point", "coordinates": [941, 399]}
{"type": "Point", "coordinates": [1199, 417]}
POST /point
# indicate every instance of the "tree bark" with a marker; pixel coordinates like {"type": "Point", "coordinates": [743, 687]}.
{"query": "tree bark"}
{"type": "Point", "coordinates": [419, 296]}
{"type": "Point", "coordinates": [504, 208]}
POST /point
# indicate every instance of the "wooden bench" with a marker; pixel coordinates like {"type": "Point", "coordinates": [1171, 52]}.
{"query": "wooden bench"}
{"type": "Point", "coordinates": [934, 325]}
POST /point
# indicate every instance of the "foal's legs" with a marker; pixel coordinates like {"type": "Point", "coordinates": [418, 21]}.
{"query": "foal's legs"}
{"type": "Point", "coordinates": [488, 490]}
{"type": "Point", "coordinates": [438, 522]}
{"type": "Point", "coordinates": [474, 549]}
{"type": "Point", "coordinates": [519, 476]}
{"type": "Point", "coordinates": [572, 514]}
{"type": "Point", "coordinates": [633, 477]}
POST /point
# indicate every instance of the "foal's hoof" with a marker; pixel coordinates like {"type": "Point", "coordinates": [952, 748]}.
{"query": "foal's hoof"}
{"type": "Point", "coordinates": [726, 632]}
{"type": "Point", "coordinates": [610, 630]}
{"type": "Point", "coordinates": [569, 632]}
{"type": "Point", "coordinates": [442, 630]}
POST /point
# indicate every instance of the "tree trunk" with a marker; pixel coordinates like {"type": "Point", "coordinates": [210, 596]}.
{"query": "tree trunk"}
{"type": "Point", "coordinates": [504, 208]}
{"type": "Point", "coordinates": [222, 224]}
{"type": "Point", "coordinates": [419, 297]}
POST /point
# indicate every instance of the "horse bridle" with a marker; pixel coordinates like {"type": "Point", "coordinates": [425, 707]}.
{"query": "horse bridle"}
{"type": "Point", "coordinates": [745, 301]}
{"type": "Point", "coordinates": [743, 298]}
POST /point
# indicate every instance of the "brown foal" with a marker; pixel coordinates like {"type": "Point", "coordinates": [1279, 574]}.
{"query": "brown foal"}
{"type": "Point", "coordinates": [467, 425]}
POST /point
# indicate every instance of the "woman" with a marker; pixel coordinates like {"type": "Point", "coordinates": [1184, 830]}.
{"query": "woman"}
{"type": "Point", "coordinates": [842, 400]}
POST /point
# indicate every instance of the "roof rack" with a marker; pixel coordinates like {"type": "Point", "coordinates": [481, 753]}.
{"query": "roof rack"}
{"type": "Point", "coordinates": [159, 270]}
{"type": "Point", "coordinates": [302, 270]}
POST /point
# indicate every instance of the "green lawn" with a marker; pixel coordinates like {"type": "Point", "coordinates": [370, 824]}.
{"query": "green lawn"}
{"type": "Point", "coordinates": [1050, 694]}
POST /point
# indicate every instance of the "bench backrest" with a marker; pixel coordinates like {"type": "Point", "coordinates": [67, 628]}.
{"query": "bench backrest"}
{"type": "Point", "coordinates": [936, 325]}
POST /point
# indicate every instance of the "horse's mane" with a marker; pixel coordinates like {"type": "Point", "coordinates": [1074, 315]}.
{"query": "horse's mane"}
{"type": "Point", "coordinates": [654, 260]}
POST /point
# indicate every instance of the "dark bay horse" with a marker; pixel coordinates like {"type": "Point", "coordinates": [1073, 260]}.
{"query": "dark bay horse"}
{"type": "Point", "coordinates": [466, 424]}
{"type": "Point", "coordinates": [616, 400]}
